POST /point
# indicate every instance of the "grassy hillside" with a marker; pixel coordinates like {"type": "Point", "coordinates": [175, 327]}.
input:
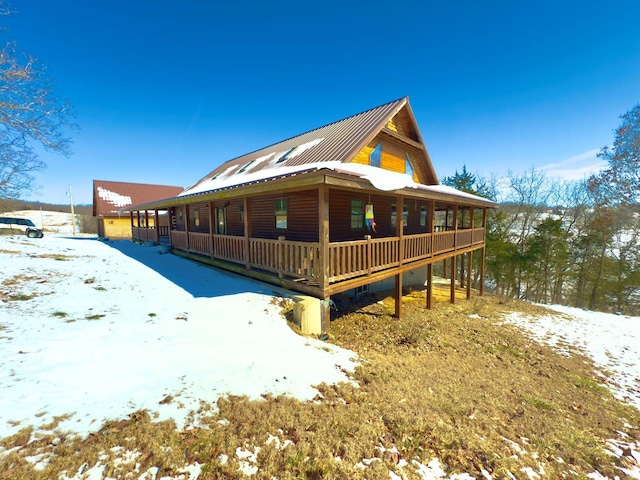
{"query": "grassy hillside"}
{"type": "Point", "coordinates": [454, 383]}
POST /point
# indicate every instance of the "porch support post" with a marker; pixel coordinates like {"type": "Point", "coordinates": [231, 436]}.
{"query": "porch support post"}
{"type": "Point", "coordinates": [186, 225]}
{"type": "Point", "coordinates": [470, 259]}
{"type": "Point", "coordinates": [156, 222]}
{"type": "Point", "coordinates": [146, 219]}
{"type": "Point", "coordinates": [484, 242]}
{"type": "Point", "coordinates": [429, 295]}
{"type": "Point", "coordinates": [398, 295]}
{"type": "Point", "coordinates": [247, 232]}
{"type": "Point", "coordinates": [431, 220]}
{"type": "Point", "coordinates": [323, 271]}
{"type": "Point", "coordinates": [455, 228]}
{"type": "Point", "coordinates": [211, 206]}
{"type": "Point", "coordinates": [400, 228]}
{"type": "Point", "coordinates": [481, 287]}
{"type": "Point", "coordinates": [453, 279]}
{"type": "Point", "coordinates": [325, 313]}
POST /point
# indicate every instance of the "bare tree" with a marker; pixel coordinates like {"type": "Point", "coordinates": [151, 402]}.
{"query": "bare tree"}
{"type": "Point", "coordinates": [30, 113]}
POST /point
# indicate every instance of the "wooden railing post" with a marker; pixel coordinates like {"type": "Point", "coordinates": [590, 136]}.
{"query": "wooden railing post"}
{"type": "Point", "coordinates": [369, 254]}
{"type": "Point", "coordinates": [280, 256]}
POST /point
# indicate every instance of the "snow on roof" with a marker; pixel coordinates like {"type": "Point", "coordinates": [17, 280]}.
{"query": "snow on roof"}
{"type": "Point", "coordinates": [384, 180]}
{"type": "Point", "coordinates": [114, 198]}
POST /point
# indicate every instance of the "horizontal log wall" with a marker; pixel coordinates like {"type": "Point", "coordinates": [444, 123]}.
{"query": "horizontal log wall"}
{"type": "Point", "coordinates": [199, 212]}
{"type": "Point", "coordinates": [302, 216]}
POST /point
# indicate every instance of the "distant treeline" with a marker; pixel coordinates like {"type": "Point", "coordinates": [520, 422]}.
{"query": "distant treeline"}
{"type": "Point", "coordinates": [559, 242]}
{"type": "Point", "coordinates": [11, 205]}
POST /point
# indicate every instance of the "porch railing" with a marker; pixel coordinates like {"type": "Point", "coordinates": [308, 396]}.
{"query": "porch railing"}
{"type": "Point", "coordinates": [346, 260]}
{"type": "Point", "coordinates": [144, 234]}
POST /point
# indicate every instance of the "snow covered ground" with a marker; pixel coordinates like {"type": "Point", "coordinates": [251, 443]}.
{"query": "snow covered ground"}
{"type": "Point", "coordinates": [611, 341]}
{"type": "Point", "coordinates": [116, 327]}
{"type": "Point", "coordinates": [93, 331]}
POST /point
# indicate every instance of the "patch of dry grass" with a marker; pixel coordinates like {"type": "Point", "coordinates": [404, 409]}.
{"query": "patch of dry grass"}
{"type": "Point", "coordinates": [453, 383]}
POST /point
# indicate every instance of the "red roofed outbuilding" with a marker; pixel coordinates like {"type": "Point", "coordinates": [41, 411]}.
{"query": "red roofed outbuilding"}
{"type": "Point", "coordinates": [110, 198]}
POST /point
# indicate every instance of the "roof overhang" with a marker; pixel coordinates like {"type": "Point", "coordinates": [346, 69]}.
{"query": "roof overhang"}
{"type": "Point", "coordinates": [347, 176]}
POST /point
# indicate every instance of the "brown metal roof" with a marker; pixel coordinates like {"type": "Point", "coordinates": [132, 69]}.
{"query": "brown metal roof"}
{"type": "Point", "coordinates": [339, 141]}
{"type": "Point", "coordinates": [110, 197]}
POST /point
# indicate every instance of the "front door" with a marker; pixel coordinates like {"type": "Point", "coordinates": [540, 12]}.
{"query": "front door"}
{"type": "Point", "coordinates": [221, 221]}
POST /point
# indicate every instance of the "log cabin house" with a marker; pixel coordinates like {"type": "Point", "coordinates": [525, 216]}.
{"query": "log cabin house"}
{"type": "Point", "coordinates": [335, 209]}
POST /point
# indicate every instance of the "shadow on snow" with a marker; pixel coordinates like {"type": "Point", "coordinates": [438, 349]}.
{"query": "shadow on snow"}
{"type": "Point", "coordinates": [200, 280]}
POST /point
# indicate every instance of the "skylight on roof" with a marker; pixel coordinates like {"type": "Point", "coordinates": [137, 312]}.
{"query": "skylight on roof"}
{"type": "Point", "coordinates": [246, 166]}
{"type": "Point", "coordinates": [286, 155]}
{"type": "Point", "coordinates": [297, 150]}
{"type": "Point", "coordinates": [224, 173]}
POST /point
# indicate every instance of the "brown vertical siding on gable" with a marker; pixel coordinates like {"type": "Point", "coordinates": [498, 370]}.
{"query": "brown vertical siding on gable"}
{"type": "Point", "coordinates": [302, 216]}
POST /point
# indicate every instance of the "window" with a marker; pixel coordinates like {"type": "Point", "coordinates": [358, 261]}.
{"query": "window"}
{"type": "Point", "coordinates": [405, 215]}
{"type": "Point", "coordinates": [280, 208]}
{"type": "Point", "coordinates": [362, 289]}
{"type": "Point", "coordinates": [423, 216]}
{"type": "Point", "coordinates": [241, 212]}
{"type": "Point", "coordinates": [357, 214]}
{"type": "Point", "coordinates": [408, 168]}
{"type": "Point", "coordinates": [196, 218]}
{"type": "Point", "coordinates": [375, 158]}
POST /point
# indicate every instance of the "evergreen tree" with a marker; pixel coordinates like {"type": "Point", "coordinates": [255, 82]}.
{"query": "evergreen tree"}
{"type": "Point", "coordinates": [620, 181]}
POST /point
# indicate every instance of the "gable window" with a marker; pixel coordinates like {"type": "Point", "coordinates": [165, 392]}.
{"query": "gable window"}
{"type": "Point", "coordinates": [357, 214]}
{"type": "Point", "coordinates": [408, 168]}
{"type": "Point", "coordinates": [423, 216]}
{"type": "Point", "coordinates": [280, 209]}
{"type": "Point", "coordinates": [405, 215]}
{"type": "Point", "coordinates": [375, 158]}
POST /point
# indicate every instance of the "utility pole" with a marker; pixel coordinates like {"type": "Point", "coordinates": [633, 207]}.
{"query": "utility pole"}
{"type": "Point", "coordinates": [73, 215]}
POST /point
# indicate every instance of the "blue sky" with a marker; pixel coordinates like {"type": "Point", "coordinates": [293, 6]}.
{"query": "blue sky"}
{"type": "Point", "coordinates": [165, 90]}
